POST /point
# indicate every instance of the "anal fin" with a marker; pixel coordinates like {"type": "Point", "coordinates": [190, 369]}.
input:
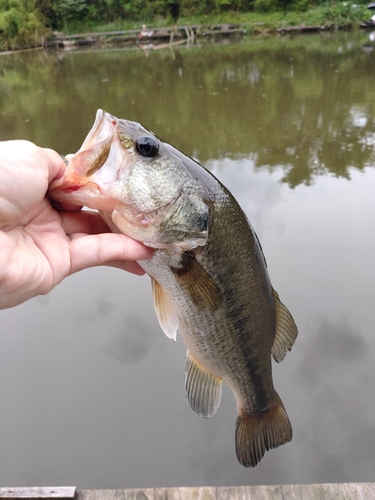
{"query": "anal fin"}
{"type": "Point", "coordinates": [203, 389]}
{"type": "Point", "coordinates": [255, 434]}
{"type": "Point", "coordinates": [164, 311]}
{"type": "Point", "coordinates": [286, 330]}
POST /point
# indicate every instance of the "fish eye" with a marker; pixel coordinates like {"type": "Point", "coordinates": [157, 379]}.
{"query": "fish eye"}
{"type": "Point", "coordinates": [147, 146]}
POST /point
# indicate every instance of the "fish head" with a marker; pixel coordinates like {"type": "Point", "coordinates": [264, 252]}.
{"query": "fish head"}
{"type": "Point", "coordinates": [139, 184]}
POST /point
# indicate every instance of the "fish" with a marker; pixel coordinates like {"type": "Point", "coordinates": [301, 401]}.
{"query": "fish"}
{"type": "Point", "coordinates": [209, 276]}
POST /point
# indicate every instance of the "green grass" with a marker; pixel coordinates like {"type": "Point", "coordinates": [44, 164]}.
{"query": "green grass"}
{"type": "Point", "coordinates": [341, 14]}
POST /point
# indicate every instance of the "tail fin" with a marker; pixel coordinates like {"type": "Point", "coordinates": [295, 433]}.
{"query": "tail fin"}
{"type": "Point", "coordinates": [255, 434]}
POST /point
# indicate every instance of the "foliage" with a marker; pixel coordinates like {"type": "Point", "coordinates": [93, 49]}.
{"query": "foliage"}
{"type": "Point", "coordinates": [266, 5]}
{"type": "Point", "coordinates": [20, 23]}
{"type": "Point", "coordinates": [20, 20]}
{"type": "Point", "coordinates": [71, 9]}
{"type": "Point", "coordinates": [343, 13]}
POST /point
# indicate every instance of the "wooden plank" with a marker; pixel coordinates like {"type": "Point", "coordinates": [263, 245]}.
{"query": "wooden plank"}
{"type": "Point", "coordinates": [131, 494]}
{"type": "Point", "coordinates": [60, 492]}
{"type": "Point", "coordinates": [341, 491]}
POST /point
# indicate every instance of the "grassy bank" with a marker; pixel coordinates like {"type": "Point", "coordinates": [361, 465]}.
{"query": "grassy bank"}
{"type": "Point", "coordinates": [28, 29]}
{"type": "Point", "coordinates": [338, 15]}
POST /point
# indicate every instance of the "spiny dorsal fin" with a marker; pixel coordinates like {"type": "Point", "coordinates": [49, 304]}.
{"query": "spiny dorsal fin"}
{"type": "Point", "coordinates": [164, 311]}
{"type": "Point", "coordinates": [203, 389]}
{"type": "Point", "coordinates": [286, 330]}
{"type": "Point", "coordinates": [255, 434]}
{"type": "Point", "coordinates": [198, 284]}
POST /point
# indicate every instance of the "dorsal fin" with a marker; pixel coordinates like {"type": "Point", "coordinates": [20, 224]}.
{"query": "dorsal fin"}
{"type": "Point", "coordinates": [203, 389]}
{"type": "Point", "coordinates": [164, 311]}
{"type": "Point", "coordinates": [286, 330]}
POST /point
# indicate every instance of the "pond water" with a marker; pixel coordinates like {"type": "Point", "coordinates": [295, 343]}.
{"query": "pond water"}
{"type": "Point", "coordinates": [91, 391]}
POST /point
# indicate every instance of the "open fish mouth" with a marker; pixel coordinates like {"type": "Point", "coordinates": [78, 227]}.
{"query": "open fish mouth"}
{"type": "Point", "coordinates": [96, 151]}
{"type": "Point", "coordinates": [103, 127]}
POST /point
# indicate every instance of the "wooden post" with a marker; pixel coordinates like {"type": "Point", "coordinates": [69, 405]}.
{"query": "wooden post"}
{"type": "Point", "coordinates": [59, 493]}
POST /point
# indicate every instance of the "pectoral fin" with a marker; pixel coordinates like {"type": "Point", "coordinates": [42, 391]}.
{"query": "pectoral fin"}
{"type": "Point", "coordinates": [198, 284]}
{"type": "Point", "coordinates": [286, 330]}
{"type": "Point", "coordinates": [164, 311]}
{"type": "Point", "coordinates": [203, 389]}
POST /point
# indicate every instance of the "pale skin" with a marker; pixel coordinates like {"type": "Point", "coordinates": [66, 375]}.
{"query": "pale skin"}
{"type": "Point", "coordinates": [40, 243]}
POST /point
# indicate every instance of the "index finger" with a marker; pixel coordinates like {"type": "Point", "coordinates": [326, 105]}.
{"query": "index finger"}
{"type": "Point", "coordinates": [83, 221]}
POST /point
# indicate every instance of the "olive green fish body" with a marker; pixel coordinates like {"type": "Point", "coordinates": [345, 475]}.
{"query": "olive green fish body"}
{"type": "Point", "coordinates": [209, 276]}
{"type": "Point", "coordinates": [232, 338]}
{"type": "Point", "coordinates": [228, 329]}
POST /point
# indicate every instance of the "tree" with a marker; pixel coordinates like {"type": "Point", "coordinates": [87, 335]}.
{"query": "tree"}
{"type": "Point", "coordinates": [69, 10]}
{"type": "Point", "coordinates": [20, 24]}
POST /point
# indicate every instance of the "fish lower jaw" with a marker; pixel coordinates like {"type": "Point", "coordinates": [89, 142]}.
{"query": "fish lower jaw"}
{"type": "Point", "coordinates": [87, 194]}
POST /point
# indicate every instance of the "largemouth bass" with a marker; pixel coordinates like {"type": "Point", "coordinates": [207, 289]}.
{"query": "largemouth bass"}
{"type": "Point", "coordinates": [209, 276]}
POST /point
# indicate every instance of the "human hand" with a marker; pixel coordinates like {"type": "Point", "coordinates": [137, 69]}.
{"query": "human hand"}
{"type": "Point", "coordinates": [40, 246]}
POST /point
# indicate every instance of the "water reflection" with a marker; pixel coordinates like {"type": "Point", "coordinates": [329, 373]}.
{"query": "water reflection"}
{"type": "Point", "coordinates": [335, 366]}
{"type": "Point", "coordinates": [91, 390]}
{"type": "Point", "coordinates": [304, 103]}
{"type": "Point", "coordinates": [130, 344]}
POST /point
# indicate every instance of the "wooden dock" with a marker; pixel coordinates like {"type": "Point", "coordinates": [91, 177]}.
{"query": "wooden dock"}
{"type": "Point", "coordinates": [304, 29]}
{"type": "Point", "coordinates": [339, 491]}
{"type": "Point", "coordinates": [150, 35]}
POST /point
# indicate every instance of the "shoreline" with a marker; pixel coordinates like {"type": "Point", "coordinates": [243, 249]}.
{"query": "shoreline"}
{"type": "Point", "coordinates": [340, 15]}
{"type": "Point", "coordinates": [161, 37]}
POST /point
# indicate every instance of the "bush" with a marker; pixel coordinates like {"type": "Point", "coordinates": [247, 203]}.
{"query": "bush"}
{"type": "Point", "coordinates": [344, 13]}
{"type": "Point", "coordinates": [20, 24]}
{"type": "Point", "coordinates": [266, 5]}
{"type": "Point", "coordinates": [280, 5]}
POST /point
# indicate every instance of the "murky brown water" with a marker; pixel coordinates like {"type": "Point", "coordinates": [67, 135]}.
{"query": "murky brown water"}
{"type": "Point", "coordinates": [91, 391]}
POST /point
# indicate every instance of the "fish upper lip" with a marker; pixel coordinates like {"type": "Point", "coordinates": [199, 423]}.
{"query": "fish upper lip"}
{"type": "Point", "coordinates": [99, 118]}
